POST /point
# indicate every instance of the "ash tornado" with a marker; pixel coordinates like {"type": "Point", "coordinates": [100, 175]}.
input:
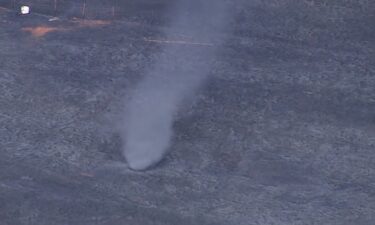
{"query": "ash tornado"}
{"type": "Point", "coordinates": [181, 67]}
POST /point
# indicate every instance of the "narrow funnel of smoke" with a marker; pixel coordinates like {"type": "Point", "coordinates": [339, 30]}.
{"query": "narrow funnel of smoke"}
{"type": "Point", "coordinates": [177, 73]}
{"type": "Point", "coordinates": [150, 112]}
{"type": "Point", "coordinates": [150, 120]}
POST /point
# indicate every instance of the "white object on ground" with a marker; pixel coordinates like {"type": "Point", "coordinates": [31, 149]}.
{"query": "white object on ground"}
{"type": "Point", "coordinates": [25, 9]}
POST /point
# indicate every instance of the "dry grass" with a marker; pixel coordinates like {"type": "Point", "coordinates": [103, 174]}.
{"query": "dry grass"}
{"type": "Point", "coordinates": [40, 31]}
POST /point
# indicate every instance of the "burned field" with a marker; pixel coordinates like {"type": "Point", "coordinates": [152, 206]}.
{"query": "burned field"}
{"type": "Point", "coordinates": [282, 131]}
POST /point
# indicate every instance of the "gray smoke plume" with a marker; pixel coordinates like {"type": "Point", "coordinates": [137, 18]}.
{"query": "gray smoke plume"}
{"type": "Point", "coordinates": [179, 70]}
